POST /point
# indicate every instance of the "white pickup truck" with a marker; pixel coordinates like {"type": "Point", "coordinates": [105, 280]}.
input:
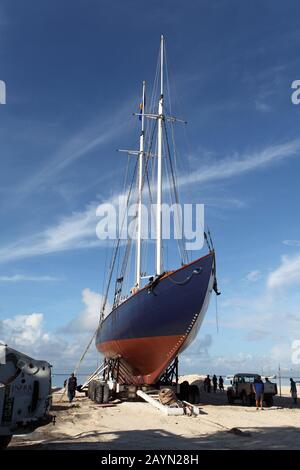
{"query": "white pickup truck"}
{"type": "Point", "coordinates": [25, 393]}
{"type": "Point", "coordinates": [241, 388]}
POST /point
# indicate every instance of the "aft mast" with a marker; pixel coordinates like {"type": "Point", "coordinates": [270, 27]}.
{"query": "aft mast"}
{"type": "Point", "coordinates": [159, 161]}
{"type": "Point", "coordinates": [140, 188]}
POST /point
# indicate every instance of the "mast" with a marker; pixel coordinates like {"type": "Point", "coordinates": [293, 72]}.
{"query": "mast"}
{"type": "Point", "coordinates": [159, 160]}
{"type": "Point", "coordinates": [140, 186]}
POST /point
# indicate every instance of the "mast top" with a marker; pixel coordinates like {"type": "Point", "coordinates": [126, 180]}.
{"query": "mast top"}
{"type": "Point", "coordinates": [161, 66]}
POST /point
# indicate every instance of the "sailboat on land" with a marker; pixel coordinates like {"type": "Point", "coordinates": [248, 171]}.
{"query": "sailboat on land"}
{"type": "Point", "coordinates": [147, 330]}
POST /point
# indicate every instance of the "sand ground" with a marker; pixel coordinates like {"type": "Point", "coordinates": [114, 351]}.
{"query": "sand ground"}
{"type": "Point", "coordinates": [136, 425]}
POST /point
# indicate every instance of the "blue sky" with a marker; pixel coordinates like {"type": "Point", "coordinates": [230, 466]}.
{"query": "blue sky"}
{"type": "Point", "coordinates": [73, 72]}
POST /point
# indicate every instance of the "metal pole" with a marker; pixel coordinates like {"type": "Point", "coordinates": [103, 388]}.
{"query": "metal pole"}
{"type": "Point", "coordinates": [159, 161]}
{"type": "Point", "coordinates": [140, 187]}
{"type": "Point", "coordinates": [279, 376]}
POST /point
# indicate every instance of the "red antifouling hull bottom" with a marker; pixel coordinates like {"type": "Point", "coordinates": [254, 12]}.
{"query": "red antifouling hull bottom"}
{"type": "Point", "coordinates": [142, 360]}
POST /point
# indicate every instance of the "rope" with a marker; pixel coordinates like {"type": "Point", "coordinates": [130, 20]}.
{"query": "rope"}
{"type": "Point", "coordinates": [196, 271]}
{"type": "Point", "coordinates": [79, 362]}
{"type": "Point", "coordinates": [217, 314]}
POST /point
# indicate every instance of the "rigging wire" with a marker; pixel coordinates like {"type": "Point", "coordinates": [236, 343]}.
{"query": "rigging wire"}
{"type": "Point", "coordinates": [129, 240]}
{"type": "Point", "coordinates": [180, 242]}
{"type": "Point", "coordinates": [217, 313]}
{"type": "Point", "coordinates": [116, 252]}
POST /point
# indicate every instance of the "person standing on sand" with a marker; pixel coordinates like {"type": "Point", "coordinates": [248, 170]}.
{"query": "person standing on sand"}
{"type": "Point", "coordinates": [293, 390]}
{"type": "Point", "coordinates": [215, 382]}
{"type": "Point", "coordinates": [221, 383]}
{"type": "Point", "coordinates": [72, 385]}
{"type": "Point", "coordinates": [208, 383]}
{"type": "Point", "coordinates": [258, 387]}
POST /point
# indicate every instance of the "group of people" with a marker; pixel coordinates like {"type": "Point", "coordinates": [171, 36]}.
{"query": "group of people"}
{"type": "Point", "coordinates": [259, 388]}
{"type": "Point", "coordinates": [213, 383]}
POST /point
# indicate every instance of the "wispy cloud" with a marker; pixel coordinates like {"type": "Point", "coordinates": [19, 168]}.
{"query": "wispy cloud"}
{"type": "Point", "coordinates": [253, 276]}
{"type": "Point", "coordinates": [77, 146]}
{"type": "Point", "coordinates": [239, 164]}
{"type": "Point", "coordinates": [78, 230]}
{"type": "Point", "coordinates": [271, 312]}
{"type": "Point", "coordinates": [291, 242]}
{"type": "Point", "coordinates": [71, 232]}
{"type": "Point", "coordinates": [27, 278]}
{"type": "Point", "coordinates": [262, 106]}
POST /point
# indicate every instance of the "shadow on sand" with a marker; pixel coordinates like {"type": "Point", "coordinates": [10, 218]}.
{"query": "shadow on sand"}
{"type": "Point", "coordinates": [258, 438]}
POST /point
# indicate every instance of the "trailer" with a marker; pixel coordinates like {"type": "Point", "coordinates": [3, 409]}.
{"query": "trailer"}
{"type": "Point", "coordinates": [104, 387]}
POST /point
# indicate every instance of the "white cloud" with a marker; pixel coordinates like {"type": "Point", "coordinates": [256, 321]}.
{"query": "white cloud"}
{"type": "Point", "coordinates": [27, 333]}
{"type": "Point", "coordinates": [240, 164]}
{"type": "Point", "coordinates": [24, 330]}
{"type": "Point", "coordinates": [262, 106]}
{"type": "Point", "coordinates": [291, 242]}
{"type": "Point", "coordinates": [227, 364]}
{"type": "Point", "coordinates": [287, 274]}
{"type": "Point", "coordinates": [78, 230]}
{"type": "Point", "coordinates": [253, 276]}
{"type": "Point", "coordinates": [75, 231]}
{"type": "Point", "coordinates": [83, 142]}
{"type": "Point", "coordinates": [87, 320]}
{"type": "Point", "coordinates": [256, 335]}
{"type": "Point", "coordinates": [28, 278]}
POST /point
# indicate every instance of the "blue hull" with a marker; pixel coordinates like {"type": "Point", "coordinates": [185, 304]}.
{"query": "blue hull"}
{"type": "Point", "coordinates": [167, 316]}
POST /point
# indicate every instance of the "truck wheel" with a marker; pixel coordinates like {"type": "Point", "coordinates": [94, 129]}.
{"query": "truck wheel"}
{"type": "Point", "coordinates": [250, 400]}
{"type": "Point", "coordinates": [4, 441]}
{"type": "Point", "coordinates": [244, 399]}
{"type": "Point", "coordinates": [194, 395]}
{"type": "Point", "coordinates": [105, 393]}
{"type": "Point", "coordinates": [99, 394]}
{"type": "Point", "coordinates": [269, 402]}
{"type": "Point", "coordinates": [92, 390]}
{"type": "Point", "coordinates": [230, 398]}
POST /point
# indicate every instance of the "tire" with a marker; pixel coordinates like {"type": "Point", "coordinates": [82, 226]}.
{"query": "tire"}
{"type": "Point", "coordinates": [269, 402]}
{"type": "Point", "coordinates": [184, 391]}
{"type": "Point", "coordinates": [230, 398]}
{"type": "Point", "coordinates": [244, 399]}
{"type": "Point", "coordinates": [4, 441]}
{"type": "Point", "coordinates": [105, 393]}
{"type": "Point", "coordinates": [194, 395]}
{"type": "Point", "coordinates": [92, 390]}
{"type": "Point", "coordinates": [252, 400]}
{"type": "Point", "coordinates": [99, 393]}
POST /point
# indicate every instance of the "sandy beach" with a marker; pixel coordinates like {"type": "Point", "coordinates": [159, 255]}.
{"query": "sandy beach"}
{"type": "Point", "coordinates": [136, 425]}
